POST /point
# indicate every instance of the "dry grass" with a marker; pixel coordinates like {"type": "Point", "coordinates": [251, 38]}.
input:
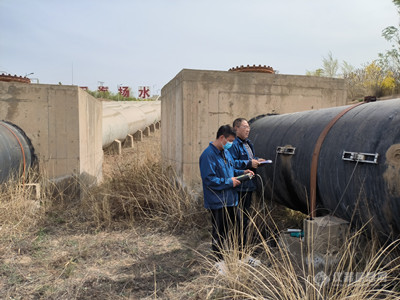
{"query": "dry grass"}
{"type": "Point", "coordinates": [143, 193]}
{"type": "Point", "coordinates": [18, 209]}
{"type": "Point", "coordinates": [361, 269]}
{"type": "Point", "coordinates": [134, 237]}
{"type": "Point", "coordinates": [139, 235]}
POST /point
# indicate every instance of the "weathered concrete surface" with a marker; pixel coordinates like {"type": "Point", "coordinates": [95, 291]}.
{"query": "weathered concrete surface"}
{"type": "Point", "coordinates": [325, 234]}
{"type": "Point", "coordinates": [322, 245]}
{"type": "Point", "coordinates": [195, 103]}
{"type": "Point", "coordinates": [324, 238]}
{"type": "Point", "coordinates": [64, 124]}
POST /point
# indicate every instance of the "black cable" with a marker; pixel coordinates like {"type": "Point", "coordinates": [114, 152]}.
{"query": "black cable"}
{"type": "Point", "coordinates": [345, 189]}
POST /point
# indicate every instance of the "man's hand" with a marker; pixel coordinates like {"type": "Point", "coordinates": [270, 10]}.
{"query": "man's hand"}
{"type": "Point", "coordinates": [254, 163]}
{"type": "Point", "coordinates": [249, 171]}
{"type": "Point", "coordinates": [235, 181]}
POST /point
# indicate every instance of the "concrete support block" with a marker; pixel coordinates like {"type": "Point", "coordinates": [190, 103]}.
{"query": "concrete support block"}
{"type": "Point", "coordinates": [294, 245]}
{"type": "Point", "coordinates": [33, 188]}
{"type": "Point", "coordinates": [146, 131]}
{"type": "Point", "coordinates": [138, 136]}
{"type": "Point", "coordinates": [325, 235]}
{"type": "Point", "coordinates": [321, 246]}
{"type": "Point", "coordinates": [152, 127]}
{"type": "Point", "coordinates": [128, 143]}
{"type": "Point", "coordinates": [115, 147]}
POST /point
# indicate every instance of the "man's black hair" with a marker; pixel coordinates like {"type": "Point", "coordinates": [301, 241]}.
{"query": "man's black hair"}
{"type": "Point", "coordinates": [238, 122]}
{"type": "Point", "coordinates": [226, 131]}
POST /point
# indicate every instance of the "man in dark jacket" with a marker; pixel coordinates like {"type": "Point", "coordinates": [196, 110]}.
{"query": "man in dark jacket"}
{"type": "Point", "coordinates": [244, 156]}
{"type": "Point", "coordinates": [218, 177]}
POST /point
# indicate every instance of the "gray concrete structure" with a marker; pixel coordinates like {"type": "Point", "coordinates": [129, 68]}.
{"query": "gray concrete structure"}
{"type": "Point", "coordinates": [195, 103]}
{"type": "Point", "coordinates": [321, 247]}
{"type": "Point", "coordinates": [64, 124]}
{"type": "Point", "coordinates": [325, 234]}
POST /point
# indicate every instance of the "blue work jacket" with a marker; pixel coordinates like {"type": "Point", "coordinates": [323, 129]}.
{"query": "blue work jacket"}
{"type": "Point", "coordinates": [242, 162]}
{"type": "Point", "coordinates": [216, 173]}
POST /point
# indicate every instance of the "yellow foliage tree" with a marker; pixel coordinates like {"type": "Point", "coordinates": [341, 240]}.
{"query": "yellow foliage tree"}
{"type": "Point", "coordinates": [378, 82]}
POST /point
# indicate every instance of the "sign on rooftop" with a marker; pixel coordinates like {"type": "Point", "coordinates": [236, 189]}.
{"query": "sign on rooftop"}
{"type": "Point", "coordinates": [144, 92]}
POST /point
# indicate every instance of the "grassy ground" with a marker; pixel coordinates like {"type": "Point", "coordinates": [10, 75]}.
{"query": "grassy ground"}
{"type": "Point", "coordinates": [140, 236]}
{"type": "Point", "coordinates": [99, 247]}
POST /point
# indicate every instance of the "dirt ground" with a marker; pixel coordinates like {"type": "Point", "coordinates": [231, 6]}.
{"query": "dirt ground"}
{"type": "Point", "coordinates": [64, 260]}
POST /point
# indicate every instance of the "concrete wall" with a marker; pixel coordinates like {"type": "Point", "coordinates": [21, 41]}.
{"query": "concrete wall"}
{"type": "Point", "coordinates": [195, 103]}
{"type": "Point", "coordinates": [64, 124]}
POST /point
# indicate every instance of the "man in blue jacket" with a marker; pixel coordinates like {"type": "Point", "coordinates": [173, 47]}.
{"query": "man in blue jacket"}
{"type": "Point", "coordinates": [244, 156]}
{"type": "Point", "coordinates": [218, 177]}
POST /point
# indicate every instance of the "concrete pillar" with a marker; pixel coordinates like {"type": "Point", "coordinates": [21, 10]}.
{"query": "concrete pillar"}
{"type": "Point", "coordinates": [115, 147]}
{"type": "Point", "coordinates": [158, 125]}
{"type": "Point", "coordinates": [146, 131]}
{"type": "Point", "coordinates": [325, 234]}
{"type": "Point", "coordinates": [324, 239]}
{"type": "Point", "coordinates": [152, 127]}
{"type": "Point", "coordinates": [138, 136]}
{"type": "Point", "coordinates": [128, 143]}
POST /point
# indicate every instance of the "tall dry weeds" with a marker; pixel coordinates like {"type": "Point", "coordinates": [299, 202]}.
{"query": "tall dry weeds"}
{"type": "Point", "coordinates": [21, 206]}
{"type": "Point", "coordinates": [136, 190]}
{"type": "Point", "coordinates": [144, 193]}
{"type": "Point", "coordinates": [139, 190]}
{"type": "Point", "coordinates": [361, 269]}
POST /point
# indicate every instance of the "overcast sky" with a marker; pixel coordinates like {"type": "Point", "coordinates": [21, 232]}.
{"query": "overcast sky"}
{"type": "Point", "coordinates": [147, 42]}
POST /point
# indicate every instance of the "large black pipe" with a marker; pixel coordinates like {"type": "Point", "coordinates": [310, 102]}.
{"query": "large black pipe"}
{"type": "Point", "coordinates": [358, 168]}
{"type": "Point", "coordinates": [16, 152]}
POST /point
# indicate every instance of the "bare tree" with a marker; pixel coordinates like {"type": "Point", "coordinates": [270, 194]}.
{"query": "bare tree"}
{"type": "Point", "coordinates": [330, 66]}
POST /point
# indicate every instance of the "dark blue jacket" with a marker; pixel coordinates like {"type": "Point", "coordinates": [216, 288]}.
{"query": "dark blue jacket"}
{"type": "Point", "coordinates": [242, 162]}
{"type": "Point", "coordinates": [216, 173]}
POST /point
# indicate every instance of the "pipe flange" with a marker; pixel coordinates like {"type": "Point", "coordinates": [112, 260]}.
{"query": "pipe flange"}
{"type": "Point", "coordinates": [15, 78]}
{"type": "Point", "coordinates": [253, 68]}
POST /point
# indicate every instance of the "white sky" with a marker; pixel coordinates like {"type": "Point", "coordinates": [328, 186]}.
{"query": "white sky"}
{"type": "Point", "coordinates": [148, 42]}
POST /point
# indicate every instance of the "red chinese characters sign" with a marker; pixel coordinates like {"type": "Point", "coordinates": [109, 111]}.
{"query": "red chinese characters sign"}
{"type": "Point", "coordinates": [144, 92]}
{"type": "Point", "coordinates": [124, 91]}
{"type": "Point", "coordinates": [102, 88]}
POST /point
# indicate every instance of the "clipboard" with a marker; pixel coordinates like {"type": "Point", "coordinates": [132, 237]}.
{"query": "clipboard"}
{"type": "Point", "coordinates": [265, 162]}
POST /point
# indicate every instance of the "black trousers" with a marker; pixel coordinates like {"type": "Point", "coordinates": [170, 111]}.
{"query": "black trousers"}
{"type": "Point", "coordinates": [244, 208]}
{"type": "Point", "coordinates": [224, 229]}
